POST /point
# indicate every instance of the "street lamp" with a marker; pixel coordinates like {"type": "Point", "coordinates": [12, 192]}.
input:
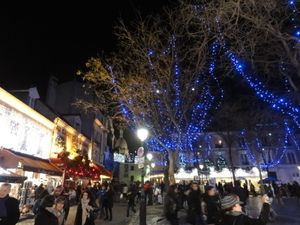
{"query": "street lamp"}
{"type": "Point", "coordinates": [298, 167]}
{"type": "Point", "coordinates": [201, 166]}
{"type": "Point", "coordinates": [149, 157]}
{"type": "Point", "coordinates": [142, 134]}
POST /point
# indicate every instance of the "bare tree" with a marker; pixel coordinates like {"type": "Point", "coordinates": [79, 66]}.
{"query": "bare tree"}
{"type": "Point", "coordinates": [162, 75]}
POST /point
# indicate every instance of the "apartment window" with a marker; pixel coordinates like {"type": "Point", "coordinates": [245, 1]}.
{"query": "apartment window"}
{"type": "Point", "coordinates": [132, 168]}
{"type": "Point", "coordinates": [244, 159]}
{"type": "Point", "coordinates": [131, 178]}
{"type": "Point", "coordinates": [291, 158]}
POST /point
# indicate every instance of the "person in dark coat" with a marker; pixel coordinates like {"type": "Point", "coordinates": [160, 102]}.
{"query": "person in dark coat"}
{"type": "Point", "coordinates": [232, 213]}
{"type": "Point", "coordinates": [9, 206]}
{"type": "Point", "coordinates": [59, 191]}
{"type": "Point", "coordinates": [195, 215]}
{"type": "Point", "coordinates": [131, 197]}
{"type": "Point", "coordinates": [239, 191]}
{"type": "Point", "coordinates": [46, 213]}
{"type": "Point", "coordinates": [211, 204]}
{"type": "Point", "coordinates": [171, 205]}
{"type": "Point", "coordinates": [84, 213]}
{"type": "Point", "coordinates": [38, 201]}
{"type": "Point", "coordinates": [108, 202]}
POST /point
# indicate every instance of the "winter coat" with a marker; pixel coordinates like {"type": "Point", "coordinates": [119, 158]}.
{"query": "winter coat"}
{"type": "Point", "coordinates": [212, 206]}
{"type": "Point", "coordinates": [78, 217]}
{"type": "Point", "coordinates": [170, 205]}
{"type": "Point", "coordinates": [44, 216]}
{"type": "Point", "coordinates": [108, 199]}
{"type": "Point", "coordinates": [239, 191]}
{"type": "Point", "coordinates": [194, 201]}
{"type": "Point", "coordinates": [242, 219]}
{"type": "Point", "coordinates": [13, 212]}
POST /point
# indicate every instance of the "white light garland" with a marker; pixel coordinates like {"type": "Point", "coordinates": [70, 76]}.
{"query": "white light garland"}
{"type": "Point", "coordinates": [22, 134]}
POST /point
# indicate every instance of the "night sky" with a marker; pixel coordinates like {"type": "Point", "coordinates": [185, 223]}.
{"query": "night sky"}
{"type": "Point", "coordinates": [50, 39]}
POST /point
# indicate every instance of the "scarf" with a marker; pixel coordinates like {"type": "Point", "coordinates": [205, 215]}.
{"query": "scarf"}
{"type": "Point", "coordinates": [86, 208]}
{"type": "Point", "coordinates": [234, 213]}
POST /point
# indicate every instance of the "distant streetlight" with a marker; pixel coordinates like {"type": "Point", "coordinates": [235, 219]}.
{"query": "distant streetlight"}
{"type": "Point", "coordinates": [298, 167]}
{"type": "Point", "coordinates": [201, 166]}
{"type": "Point", "coordinates": [149, 156]}
{"type": "Point", "coordinates": [142, 134]}
{"type": "Point", "coordinates": [153, 165]}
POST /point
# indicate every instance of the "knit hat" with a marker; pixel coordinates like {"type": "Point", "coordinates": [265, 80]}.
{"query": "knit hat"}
{"type": "Point", "coordinates": [229, 201]}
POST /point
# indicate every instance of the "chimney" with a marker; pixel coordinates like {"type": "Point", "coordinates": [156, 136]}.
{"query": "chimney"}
{"type": "Point", "coordinates": [51, 91]}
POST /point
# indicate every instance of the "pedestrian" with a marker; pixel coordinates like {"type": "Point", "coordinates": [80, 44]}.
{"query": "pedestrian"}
{"type": "Point", "coordinates": [78, 193]}
{"type": "Point", "coordinates": [241, 192]}
{"type": "Point", "coordinates": [195, 215]}
{"type": "Point", "coordinates": [46, 213]}
{"type": "Point", "coordinates": [108, 202]}
{"type": "Point", "coordinates": [38, 201]}
{"type": "Point", "coordinates": [38, 191]}
{"type": "Point", "coordinates": [59, 210]}
{"type": "Point", "coordinates": [232, 213]}
{"type": "Point", "coordinates": [59, 191]}
{"type": "Point", "coordinates": [171, 205]}
{"type": "Point", "coordinates": [101, 196]}
{"type": "Point", "coordinates": [131, 197]}
{"type": "Point", "coordinates": [9, 206]}
{"type": "Point", "coordinates": [85, 210]}
{"type": "Point", "coordinates": [211, 205]}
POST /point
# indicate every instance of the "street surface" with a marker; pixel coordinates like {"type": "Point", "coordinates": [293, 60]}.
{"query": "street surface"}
{"type": "Point", "coordinates": [288, 214]}
{"type": "Point", "coordinates": [119, 216]}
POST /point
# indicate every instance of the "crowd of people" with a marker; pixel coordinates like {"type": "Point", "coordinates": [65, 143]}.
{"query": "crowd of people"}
{"type": "Point", "coordinates": [220, 204]}
{"type": "Point", "coordinates": [224, 204]}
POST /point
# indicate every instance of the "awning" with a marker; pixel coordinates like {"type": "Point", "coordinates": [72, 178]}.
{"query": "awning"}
{"type": "Point", "coordinates": [102, 170]}
{"type": "Point", "coordinates": [10, 159]}
{"type": "Point", "coordinates": [9, 177]}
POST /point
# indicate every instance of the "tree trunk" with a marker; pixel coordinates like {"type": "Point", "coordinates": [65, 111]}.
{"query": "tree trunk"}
{"type": "Point", "coordinates": [229, 143]}
{"type": "Point", "coordinates": [166, 176]}
{"type": "Point", "coordinates": [171, 167]}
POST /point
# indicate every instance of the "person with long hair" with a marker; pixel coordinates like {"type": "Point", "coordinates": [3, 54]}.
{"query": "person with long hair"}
{"type": "Point", "coordinates": [84, 214]}
{"type": "Point", "coordinates": [108, 202]}
{"type": "Point", "coordinates": [171, 205]}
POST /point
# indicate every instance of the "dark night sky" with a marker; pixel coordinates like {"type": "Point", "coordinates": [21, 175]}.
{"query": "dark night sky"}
{"type": "Point", "coordinates": [41, 40]}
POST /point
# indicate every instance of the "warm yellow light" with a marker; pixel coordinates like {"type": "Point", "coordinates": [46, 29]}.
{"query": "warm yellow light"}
{"type": "Point", "coordinates": [20, 106]}
{"type": "Point", "coordinates": [72, 157]}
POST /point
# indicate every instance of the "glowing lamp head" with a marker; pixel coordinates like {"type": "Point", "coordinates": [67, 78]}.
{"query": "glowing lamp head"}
{"type": "Point", "coordinates": [142, 134]}
{"type": "Point", "coordinates": [201, 166]}
{"type": "Point", "coordinates": [149, 156]}
{"type": "Point", "coordinates": [153, 165]}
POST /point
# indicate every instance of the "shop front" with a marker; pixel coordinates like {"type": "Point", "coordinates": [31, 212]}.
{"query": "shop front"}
{"type": "Point", "coordinates": [32, 170]}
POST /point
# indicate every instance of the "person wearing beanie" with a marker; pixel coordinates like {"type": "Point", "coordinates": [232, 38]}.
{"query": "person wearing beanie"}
{"type": "Point", "coordinates": [47, 212]}
{"type": "Point", "coordinates": [232, 213]}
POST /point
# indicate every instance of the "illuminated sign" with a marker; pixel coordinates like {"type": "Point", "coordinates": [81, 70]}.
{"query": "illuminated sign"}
{"type": "Point", "coordinates": [21, 133]}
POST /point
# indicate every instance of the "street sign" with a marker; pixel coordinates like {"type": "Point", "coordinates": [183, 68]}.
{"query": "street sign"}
{"type": "Point", "coordinates": [140, 152]}
{"type": "Point", "coordinates": [140, 161]}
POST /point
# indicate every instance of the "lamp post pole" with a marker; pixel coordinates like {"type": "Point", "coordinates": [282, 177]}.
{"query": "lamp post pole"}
{"type": "Point", "coordinates": [142, 135]}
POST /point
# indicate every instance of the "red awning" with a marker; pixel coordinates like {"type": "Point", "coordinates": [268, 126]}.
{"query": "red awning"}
{"type": "Point", "coordinates": [102, 170]}
{"type": "Point", "coordinates": [10, 159]}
